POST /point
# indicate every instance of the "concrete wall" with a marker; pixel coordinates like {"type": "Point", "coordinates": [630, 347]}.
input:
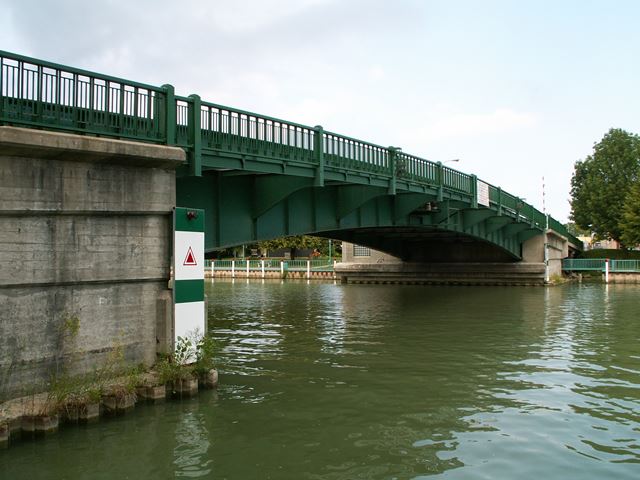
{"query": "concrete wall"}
{"type": "Point", "coordinates": [375, 257]}
{"type": "Point", "coordinates": [623, 277]}
{"type": "Point", "coordinates": [85, 245]}
{"type": "Point", "coordinates": [557, 249]}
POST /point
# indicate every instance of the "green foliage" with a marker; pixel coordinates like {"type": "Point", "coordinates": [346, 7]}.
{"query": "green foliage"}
{"type": "Point", "coordinates": [71, 325]}
{"type": "Point", "coordinates": [602, 181]}
{"type": "Point", "coordinates": [557, 279]}
{"type": "Point", "coordinates": [112, 376]}
{"type": "Point", "coordinates": [630, 223]}
{"type": "Point", "coordinates": [299, 242]}
{"type": "Point", "coordinates": [185, 351]}
{"type": "Point", "coordinates": [205, 354]}
{"type": "Point", "coordinates": [167, 370]}
{"type": "Point", "coordinates": [294, 243]}
{"type": "Point", "coordinates": [573, 229]}
{"type": "Point", "coordinates": [611, 253]}
{"type": "Point", "coordinates": [192, 356]}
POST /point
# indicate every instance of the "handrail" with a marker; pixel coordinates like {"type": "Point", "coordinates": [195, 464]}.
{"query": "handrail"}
{"type": "Point", "coordinates": [40, 93]}
{"type": "Point", "coordinates": [270, 265]}
{"type": "Point", "coordinates": [79, 71]}
{"type": "Point", "coordinates": [37, 93]}
{"type": "Point", "coordinates": [599, 265]}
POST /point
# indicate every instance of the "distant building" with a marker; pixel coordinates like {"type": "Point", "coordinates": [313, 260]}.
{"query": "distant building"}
{"type": "Point", "coordinates": [352, 253]}
{"type": "Point", "coordinates": [591, 244]}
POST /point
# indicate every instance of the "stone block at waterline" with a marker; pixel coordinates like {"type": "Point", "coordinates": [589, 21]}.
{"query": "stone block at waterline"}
{"type": "Point", "coordinates": [36, 425]}
{"type": "Point", "coordinates": [209, 379]}
{"type": "Point", "coordinates": [186, 387]}
{"type": "Point", "coordinates": [152, 394]}
{"type": "Point", "coordinates": [118, 403]}
{"type": "Point", "coordinates": [89, 413]}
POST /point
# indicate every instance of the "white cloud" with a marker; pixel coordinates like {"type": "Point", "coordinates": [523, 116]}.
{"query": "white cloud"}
{"type": "Point", "coordinates": [457, 125]}
{"type": "Point", "coordinates": [376, 72]}
{"type": "Point", "coordinates": [246, 15]}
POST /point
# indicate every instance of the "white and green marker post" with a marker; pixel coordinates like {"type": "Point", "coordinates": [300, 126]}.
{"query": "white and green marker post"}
{"type": "Point", "coordinates": [188, 270]}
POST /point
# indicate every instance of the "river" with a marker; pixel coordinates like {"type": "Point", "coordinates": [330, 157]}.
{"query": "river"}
{"type": "Point", "coordinates": [339, 382]}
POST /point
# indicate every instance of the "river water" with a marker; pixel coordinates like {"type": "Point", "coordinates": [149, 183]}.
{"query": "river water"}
{"type": "Point", "coordinates": [341, 382]}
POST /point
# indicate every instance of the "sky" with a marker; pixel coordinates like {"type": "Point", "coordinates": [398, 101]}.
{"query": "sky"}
{"type": "Point", "coordinates": [516, 90]}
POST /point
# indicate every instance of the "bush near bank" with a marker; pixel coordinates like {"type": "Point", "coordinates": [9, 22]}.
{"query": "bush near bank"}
{"type": "Point", "coordinates": [611, 254]}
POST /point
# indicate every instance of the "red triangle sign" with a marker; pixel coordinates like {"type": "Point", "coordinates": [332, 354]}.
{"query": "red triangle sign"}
{"type": "Point", "coordinates": [190, 259]}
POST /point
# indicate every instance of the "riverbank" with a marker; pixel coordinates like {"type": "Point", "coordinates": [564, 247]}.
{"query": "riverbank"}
{"type": "Point", "coordinates": [42, 414]}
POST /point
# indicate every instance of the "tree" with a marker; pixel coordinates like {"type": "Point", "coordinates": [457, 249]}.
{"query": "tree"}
{"type": "Point", "coordinates": [601, 182]}
{"type": "Point", "coordinates": [294, 243]}
{"type": "Point", "coordinates": [630, 223]}
{"type": "Point", "coordinates": [577, 231]}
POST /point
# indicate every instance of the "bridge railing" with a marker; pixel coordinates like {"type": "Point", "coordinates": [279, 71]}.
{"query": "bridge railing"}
{"type": "Point", "coordinates": [418, 169]}
{"type": "Point", "coordinates": [625, 265]}
{"type": "Point", "coordinates": [36, 93]}
{"type": "Point", "coordinates": [231, 130]}
{"type": "Point", "coordinates": [39, 93]}
{"type": "Point", "coordinates": [270, 265]}
{"type": "Point", "coordinates": [599, 264]}
{"type": "Point", "coordinates": [583, 264]}
{"type": "Point", "coordinates": [346, 153]}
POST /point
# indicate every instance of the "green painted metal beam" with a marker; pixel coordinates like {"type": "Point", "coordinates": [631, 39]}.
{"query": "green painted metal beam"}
{"type": "Point", "coordinates": [494, 224]}
{"type": "Point", "coordinates": [269, 190]}
{"type": "Point", "coordinates": [405, 203]}
{"type": "Point", "coordinates": [472, 217]}
{"type": "Point", "coordinates": [513, 229]}
{"type": "Point", "coordinates": [351, 197]}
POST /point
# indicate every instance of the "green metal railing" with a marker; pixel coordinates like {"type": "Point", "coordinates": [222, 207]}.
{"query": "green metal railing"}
{"type": "Point", "coordinates": [583, 264]}
{"type": "Point", "coordinates": [625, 265]}
{"type": "Point", "coordinates": [599, 265]}
{"type": "Point", "coordinates": [270, 265]}
{"type": "Point", "coordinates": [44, 94]}
{"type": "Point", "coordinates": [40, 94]}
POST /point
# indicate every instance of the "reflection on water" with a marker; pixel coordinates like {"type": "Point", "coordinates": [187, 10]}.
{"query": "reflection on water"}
{"type": "Point", "coordinates": [192, 446]}
{"type": "Point", "coordinates": [328, 382]}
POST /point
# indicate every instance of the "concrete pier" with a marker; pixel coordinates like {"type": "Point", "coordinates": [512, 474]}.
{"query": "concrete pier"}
{"type": "Point", "coordinates": [85, 244]}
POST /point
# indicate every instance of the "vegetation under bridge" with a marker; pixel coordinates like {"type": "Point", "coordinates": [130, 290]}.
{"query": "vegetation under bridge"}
{"type": "Point", "coordinates": [259, 177]}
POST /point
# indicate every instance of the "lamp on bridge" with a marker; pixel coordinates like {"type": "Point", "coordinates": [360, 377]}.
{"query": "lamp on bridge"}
{"type": "Point", "coordinates": [452, 160]}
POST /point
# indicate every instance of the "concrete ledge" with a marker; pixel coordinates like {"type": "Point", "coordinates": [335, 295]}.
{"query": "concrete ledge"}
{"type": "Point", "coordinates": [407, 267]}
{"type": "Point", "coordinates": [624, 277]}
{"type": "Point", "coordinates": [443, 273]}
{"type": "Point", "coordinates": [24, 142]}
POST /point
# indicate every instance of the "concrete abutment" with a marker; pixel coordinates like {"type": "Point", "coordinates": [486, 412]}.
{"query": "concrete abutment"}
{"type": "Point", "coordinates": [85, 245]}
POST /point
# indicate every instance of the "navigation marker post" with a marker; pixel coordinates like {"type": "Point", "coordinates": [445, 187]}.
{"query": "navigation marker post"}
{"type": "Point", "coordinates": [189, 313]}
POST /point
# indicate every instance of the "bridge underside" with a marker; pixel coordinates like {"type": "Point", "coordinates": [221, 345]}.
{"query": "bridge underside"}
{"type": "Point", "coordinates": [426, 245]}
{"type": "Point", "coordinates": [243, 207]}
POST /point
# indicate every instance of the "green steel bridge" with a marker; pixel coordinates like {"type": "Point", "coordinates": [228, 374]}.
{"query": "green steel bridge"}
{"type": "Point", "coordinates": [259, 177]}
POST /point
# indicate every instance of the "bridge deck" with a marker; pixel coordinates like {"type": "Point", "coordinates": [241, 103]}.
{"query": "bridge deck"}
{"type": "Point", "coordinates": [39, 94]}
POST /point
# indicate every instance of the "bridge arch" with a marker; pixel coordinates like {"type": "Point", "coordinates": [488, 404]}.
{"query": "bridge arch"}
{"type": "Point", "coordinates": [247, 207]}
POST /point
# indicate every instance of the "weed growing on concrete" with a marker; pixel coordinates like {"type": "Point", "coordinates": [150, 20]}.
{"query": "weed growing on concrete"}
{"type": "Point", "coordinates": [205, 354]}
{"type": "Point", "coordinates": [193, 357]}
